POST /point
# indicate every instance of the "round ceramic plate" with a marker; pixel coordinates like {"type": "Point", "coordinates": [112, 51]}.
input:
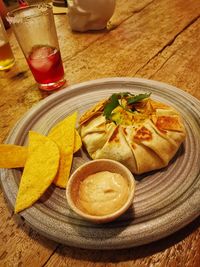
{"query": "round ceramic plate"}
{"type": "Point", "coordinates": [165, 200]}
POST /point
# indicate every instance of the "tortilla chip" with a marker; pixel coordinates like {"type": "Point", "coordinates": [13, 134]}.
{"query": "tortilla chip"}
{"type": "Point", "coordinates": [97, 109]}
{"type": "Point", "coordinates": [77, 142]}
{"type": "Point", "coordinates": [12, 156]}
{"type": "Point", "coordinates": [63, 134]}
{"type": "Point", "coordinates": [39, 171]}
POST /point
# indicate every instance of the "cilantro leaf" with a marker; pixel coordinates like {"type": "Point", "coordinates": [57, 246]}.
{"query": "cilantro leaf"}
{"type": "Point", "coordinates": [116, 99]}
{"type": "Point", "coordinates": [137, 98]}
{"type": "Point", "coordinates": [113, 102]}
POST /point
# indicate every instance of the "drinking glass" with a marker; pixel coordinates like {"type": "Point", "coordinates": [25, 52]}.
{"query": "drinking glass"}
{"type": "Point", "coordinates": [35, 30]}
{"type": "Point", "coordinates": [7, 59]}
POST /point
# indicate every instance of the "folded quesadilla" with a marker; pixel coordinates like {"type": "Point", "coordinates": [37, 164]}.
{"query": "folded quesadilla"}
{"type": "Point", "coordinates": [135, 130]}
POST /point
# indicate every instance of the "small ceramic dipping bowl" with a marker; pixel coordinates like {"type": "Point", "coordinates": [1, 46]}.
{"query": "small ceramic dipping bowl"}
{"type": "Point", "coordinates": [100, 190]}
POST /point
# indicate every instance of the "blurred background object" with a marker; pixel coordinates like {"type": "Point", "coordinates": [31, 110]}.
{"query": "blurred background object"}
{"type": "Point", "coordinates": [3, 12]}
{"type": "Point", "coordinates": [59, 6]}
{"type": "Point", "coordinates": [11, 4]}
{"type": "Point", "coordinates": [60, 3]}
{"type": "Point", "coordinates": [90, 15]}
{"type": "Point", "coordinates": [7, 59]}
{"type": "Point", "coordinates": [22, 3]}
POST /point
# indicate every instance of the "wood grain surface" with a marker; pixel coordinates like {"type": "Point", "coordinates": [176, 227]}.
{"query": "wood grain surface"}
{"type": "Point", "coordinates": [156, 39]}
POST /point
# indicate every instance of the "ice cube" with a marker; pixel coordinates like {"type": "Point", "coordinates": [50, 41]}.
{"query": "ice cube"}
{"type": "Point", "coordinates": [41, 52]}
{"type": "Point", "coordinates": [40, 58]}
{"type": "Point", "coordinates": [43, 64]}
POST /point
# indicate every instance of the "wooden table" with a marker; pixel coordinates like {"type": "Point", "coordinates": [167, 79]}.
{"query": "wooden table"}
{"type": "Point", "coordinates": [155, 39]}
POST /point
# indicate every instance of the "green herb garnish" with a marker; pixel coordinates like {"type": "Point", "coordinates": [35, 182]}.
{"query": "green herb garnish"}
{"type": "Point", "coordinates": [113, 102]}
{"type": "Point", "coordinates": [117, 100]}
{"type": "Point", "coordinates": [137, 98]}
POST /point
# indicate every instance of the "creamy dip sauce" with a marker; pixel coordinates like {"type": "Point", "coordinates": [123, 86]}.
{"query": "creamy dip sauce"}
{"type": "Point", "coordinates": [103, 193]}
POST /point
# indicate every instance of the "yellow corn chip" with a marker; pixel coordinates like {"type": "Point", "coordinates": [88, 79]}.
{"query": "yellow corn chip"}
{"type": "Point", "coordinates": [63, 134]}
{"type": "Point", "coordinates": [77, 142]}
{"type": "Point", "coordinates": [39, 171]}
{"type": "Point", "coordinates": [12, 156]}
{"type": "Point", "coordinates": [97, 109]}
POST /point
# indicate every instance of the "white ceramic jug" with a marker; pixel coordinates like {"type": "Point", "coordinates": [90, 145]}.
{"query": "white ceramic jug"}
{"type": "Point", "coordinates": [87, 15]}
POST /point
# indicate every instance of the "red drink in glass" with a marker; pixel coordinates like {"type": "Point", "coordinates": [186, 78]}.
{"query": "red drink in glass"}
{"type": "Point", "coordinates": [35, 29]}
{"type": "Point", "coordinates": [46, 65]}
